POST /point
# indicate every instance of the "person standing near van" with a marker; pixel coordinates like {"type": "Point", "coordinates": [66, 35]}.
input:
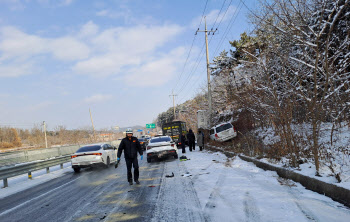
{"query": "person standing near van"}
{"type": "Point", "coordinates": [200, 140]}
{"type": "Point", "coordinates": [131, 147]}
{"type": "Point", "coordinates": [183, 142]}
{"type": "Point", "coordinates": [191, 140]}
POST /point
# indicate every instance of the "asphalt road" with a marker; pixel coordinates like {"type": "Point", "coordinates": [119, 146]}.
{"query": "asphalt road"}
{"type": "Point", "coordinates": [105, 195]}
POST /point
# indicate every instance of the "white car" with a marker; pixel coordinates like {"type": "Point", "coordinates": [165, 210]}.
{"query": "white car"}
{"type": "Point", "coordinates": [161, 147]}
{"type": "Point", "coordinates": [223, 132]}
{"type": "Point", "coordinates": [93, 155]}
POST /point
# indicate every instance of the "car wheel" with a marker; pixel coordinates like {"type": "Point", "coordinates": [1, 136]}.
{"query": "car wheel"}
{"type": "Point", "coordinates": [108, 162]}
{"type": "Point", "coordinates": [176, 156]}
{"type": "Point", "coordinates": [148, 160]}
{"type": "Point", "coordinates": [76, 169]}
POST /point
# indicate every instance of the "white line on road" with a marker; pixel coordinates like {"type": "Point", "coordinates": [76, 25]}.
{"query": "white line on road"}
{"type": "Point", "coordinates": [22, 204]}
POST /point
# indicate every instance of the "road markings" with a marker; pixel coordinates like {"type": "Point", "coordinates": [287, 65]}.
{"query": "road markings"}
{"type": "Point", "coordinates": [35, 198]}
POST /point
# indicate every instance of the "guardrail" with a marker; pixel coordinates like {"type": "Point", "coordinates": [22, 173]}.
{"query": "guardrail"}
{"type": "Point", "coordinates": [13, 171]}
{"type": "Point", "coordinates": [34, 155]}
{"type": "Point", "coordinates": [40, 154]}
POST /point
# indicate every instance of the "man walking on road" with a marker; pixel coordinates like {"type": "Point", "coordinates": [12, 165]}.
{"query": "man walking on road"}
{"type": "Point", "coordinates": [131, 146]}
{"type": "Point", "coordinates": [191, 140]}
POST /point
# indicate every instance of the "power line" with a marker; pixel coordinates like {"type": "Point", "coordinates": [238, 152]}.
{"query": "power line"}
{"type": "Point", "coordinates": [200, 54]}
{"type": "Point", "coordinates": [229, 26]}
{"type": "Point", "coordinates": [224, 14]}
{"type": "Point", "coordinates": [205, 7]}
{"type": "Point", "coordinates": [199, 58]}
{"type": "Point", "coordinates": [220, 12]}
{"type": "Point", "coordinates": [183, 69]}
{"type": "Point", "coordinates": [193, 68]}
{"type": "Point", "coordinates": [194, 38]}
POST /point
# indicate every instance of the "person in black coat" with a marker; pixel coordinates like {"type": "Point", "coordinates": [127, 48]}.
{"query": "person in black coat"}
{"type": "Point", "coordinates": [131, 147]}
{"type": "Point", "coordinates": [183, 142]}
{"type": "Point", "coordinates": [191, 140]}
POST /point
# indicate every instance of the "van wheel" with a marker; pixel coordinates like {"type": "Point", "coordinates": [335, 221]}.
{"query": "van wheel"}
{"type": "Point", "coordinates": [76, 169]}
{"type": "Point", "coordinates": [148, 160]}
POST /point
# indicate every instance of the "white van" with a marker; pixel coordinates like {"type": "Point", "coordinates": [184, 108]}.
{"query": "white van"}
{"type": "Point", "coordinates": [223, 132]}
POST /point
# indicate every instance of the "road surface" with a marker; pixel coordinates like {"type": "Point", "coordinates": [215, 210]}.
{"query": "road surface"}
{"type": "Point", "coordinates": [208, 187]}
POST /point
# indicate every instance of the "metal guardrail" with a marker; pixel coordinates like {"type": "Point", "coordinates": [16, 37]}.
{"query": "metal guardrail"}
{"type": "Point", "coordinates": [24, 156]}
{"type": "Point", "coordinates": [34, 155]}
{"type": "Point", "coordinates": [58, 155]}
{"type": "Point", "coordinates": [13, 171]}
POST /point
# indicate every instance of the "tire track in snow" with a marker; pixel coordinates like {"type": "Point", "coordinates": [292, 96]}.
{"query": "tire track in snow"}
{"type": "Point", "coordinates": [249, 200]}
{"type": "Point", "coordinates": [307, 213]}
{"type": "Point", "coordinates": [177, 198]}
{"type": "Point", "coordinates": [216, 192]}
{"type": "Point", "coordinates": [250, 209]}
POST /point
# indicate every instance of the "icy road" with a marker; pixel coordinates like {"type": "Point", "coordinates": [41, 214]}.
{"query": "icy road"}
{"type": "Point", "coordinates": [208, 187]}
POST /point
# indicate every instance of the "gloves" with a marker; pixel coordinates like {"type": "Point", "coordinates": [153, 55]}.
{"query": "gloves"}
{"type": "Point", "coordinates": [118, 158]}
{"type": "Point", "coordinates": [141, 157]}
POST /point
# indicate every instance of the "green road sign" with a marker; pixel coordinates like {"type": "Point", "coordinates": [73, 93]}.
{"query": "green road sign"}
{"type": "Point", "coordinates": [151, 125]}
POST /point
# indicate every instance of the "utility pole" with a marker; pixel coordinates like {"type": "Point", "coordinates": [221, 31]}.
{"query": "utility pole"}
{"type": "Point", "coordinates": [44, 124]}
{"type": "Point", "coordinates": [93, 127]}
{"type": "Point", "coordinates": [173, 103]}
{"type": "Point", "coordinates": [208, 68]}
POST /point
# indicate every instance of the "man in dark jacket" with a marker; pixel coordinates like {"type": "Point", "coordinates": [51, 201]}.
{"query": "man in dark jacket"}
{"type": "Point", "coordinates": [131, 146]}
{"type": "Point", "coordinates": [183, 142]}
{"type": "Point", "coordinates": [191, 140]}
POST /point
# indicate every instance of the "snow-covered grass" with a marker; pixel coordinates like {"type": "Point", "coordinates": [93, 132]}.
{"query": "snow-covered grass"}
{"type": "Point", "coordinates": [21, 182]}
{"type": "Point", "coordinates": [334, 155]}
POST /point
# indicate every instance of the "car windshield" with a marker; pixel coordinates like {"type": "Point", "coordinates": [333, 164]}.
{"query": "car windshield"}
{"type": "Point", "coordinates": [160, 139]}
{"type": "Point", "coordinates": [142, 139]}
{"type": "Point", "coordinates": [89, 148]}
{"type": "Point", "coordinates": [223, 127]}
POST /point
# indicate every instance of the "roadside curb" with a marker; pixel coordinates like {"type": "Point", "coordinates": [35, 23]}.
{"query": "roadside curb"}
{"type": "Point", "coordinates": [338, 194]}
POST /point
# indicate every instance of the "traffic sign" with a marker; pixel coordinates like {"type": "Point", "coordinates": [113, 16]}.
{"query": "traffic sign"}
{"type": "Point", "coordinates": [151, 125]}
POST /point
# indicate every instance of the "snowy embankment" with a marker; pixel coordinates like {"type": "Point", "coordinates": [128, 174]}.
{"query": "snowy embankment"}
{"type": "Point", "coordinates": [230, 189]}
{"type": "Point", "coordinates": [334, 155]}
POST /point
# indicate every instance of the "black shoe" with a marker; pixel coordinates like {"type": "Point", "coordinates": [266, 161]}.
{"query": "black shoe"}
{"type": "Point", "coordinates": [137, 182]}
{"type": "Point", "coordinates": [130, 183]}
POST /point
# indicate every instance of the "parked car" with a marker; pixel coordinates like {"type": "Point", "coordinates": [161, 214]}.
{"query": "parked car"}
{"type": "Point", "coordinates": [223, 132]}
{"type": "Point", "coordinates": [143, 143]}
{"type": "Point", "coordinates": [93, 155]}
{"type": "Point", "coordinates": [161, 147]}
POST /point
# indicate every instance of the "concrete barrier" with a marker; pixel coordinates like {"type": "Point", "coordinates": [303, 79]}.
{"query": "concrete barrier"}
{"type": "Point", "coordinates": [339, 194]}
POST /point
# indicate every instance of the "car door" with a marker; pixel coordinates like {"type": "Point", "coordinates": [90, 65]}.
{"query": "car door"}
{"type": "Point", "coordinates": [113, 153]}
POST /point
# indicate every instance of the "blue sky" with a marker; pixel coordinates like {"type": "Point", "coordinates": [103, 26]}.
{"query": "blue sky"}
{"type": "Point", "coordinates": [120, 58]}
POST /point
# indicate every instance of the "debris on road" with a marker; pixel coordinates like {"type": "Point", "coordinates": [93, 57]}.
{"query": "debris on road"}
{"type": "Point", "coordinates": [172, 175]}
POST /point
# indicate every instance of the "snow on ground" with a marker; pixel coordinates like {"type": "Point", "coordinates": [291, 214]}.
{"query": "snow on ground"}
{"type": "Point", "coordinates": [235, 190]}
{"type": "Point", "coordinates": [21, 182]}
{"type": "Point", "coordinates": [337, 159]}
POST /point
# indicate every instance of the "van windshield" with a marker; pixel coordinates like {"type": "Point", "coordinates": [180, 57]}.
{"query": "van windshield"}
{"type": "Point", "coordinates": [223, 127]}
